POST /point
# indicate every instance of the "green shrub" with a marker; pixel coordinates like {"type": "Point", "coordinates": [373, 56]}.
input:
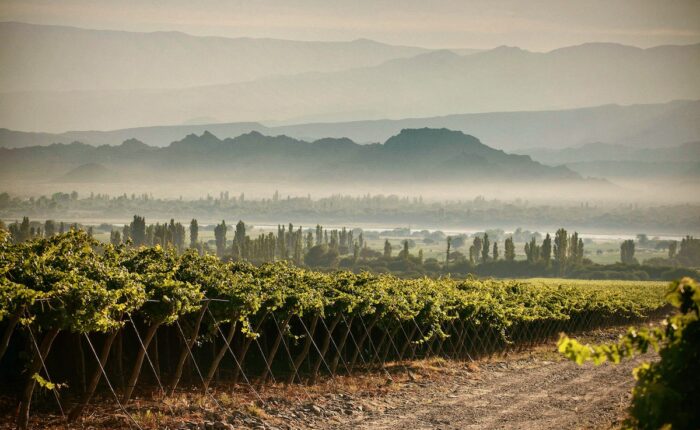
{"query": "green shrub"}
{"type": "Point", "coordinates": [667, 392]}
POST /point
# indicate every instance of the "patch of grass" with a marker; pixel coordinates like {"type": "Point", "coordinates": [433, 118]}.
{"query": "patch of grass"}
{"type": "Point", "coordinates": [256, 411]}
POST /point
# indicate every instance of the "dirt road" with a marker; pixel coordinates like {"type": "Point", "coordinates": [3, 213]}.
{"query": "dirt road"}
{"type": "Point", "coordinates": [527, 393]}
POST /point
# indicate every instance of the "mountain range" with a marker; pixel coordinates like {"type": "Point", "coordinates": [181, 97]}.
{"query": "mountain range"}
{"type": "Point", "coordinates": [413, 155]}
{"type": "Point", "coordinates": [59, 58]}
{"type": "Point", "coordinates": [534, 133]}
{"type": "Point", "coordinates": [599, 151]}
{"type": "Point", "coordinates": [615, 161]}
{"type": "Point", "coordinates": [171, 78]}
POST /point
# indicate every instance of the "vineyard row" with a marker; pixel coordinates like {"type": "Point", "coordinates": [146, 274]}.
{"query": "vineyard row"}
{"type": "Point", "coordinates": [91, 315]}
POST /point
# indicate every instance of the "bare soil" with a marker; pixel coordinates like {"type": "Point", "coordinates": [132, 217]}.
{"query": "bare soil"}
{"type": "Point", "coordinates": [526, 393]}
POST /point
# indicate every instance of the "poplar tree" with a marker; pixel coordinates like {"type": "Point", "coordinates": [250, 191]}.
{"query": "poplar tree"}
{"type": "Point", "coordinates": [447, 254]}
{"type": "Point", "coordinates": [178, 235]}
{"type": "Point", "coordinates": [579, 254]}
{"type": "Point", "coordinates": [387, 249]}
{"type": "Point", "coordinates": [298, 248]}
{"type": "Point", "coordinates": [477, 245]}
{"type": "Point", "coordinates": [49, 228]}
{"type": "Point", "coordinates": [485, 248]}
{"type": "Point", "coordinates": [126, 234]}
{"type": "Point", "coordinates": [627, 252]}
{"type": "Point", "coordinates": [194, 233]}
{"type": "Point", "coordinates": [546, 250]}
{"type": "Point", "coordinates": [220, 236]}
{"type": "Point", "coordinates": [150, 233]}
{"type": "Point", "coordinates": [509, 249]}
{"type": "Point", "coordinates": [21, 231]}
{"type": "Point", "coordinates": [319, 234]}
{"type": "Point", "coordinates": [573, 247]}
{"type": "Point", "coordinates": [239, 240]}
{"type": "Point", "coordinates": [532, 250]}
{"type": "Point", "coordinates": [561, 243]}
{"type": "Point", "coordinates": [309, 240]}
{"type": "Point", "coordinates": [137, 231]}
{"type": "Point", "coordinates": [560, 249]}
{"type": "Point", "coordinates": [404, 253]}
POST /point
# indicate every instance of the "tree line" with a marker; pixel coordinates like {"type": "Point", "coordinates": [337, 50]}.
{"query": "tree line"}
{"type": "Point", "coordinates": [339, 208]}
{"type": "Point", "coordinates": [331, 249]}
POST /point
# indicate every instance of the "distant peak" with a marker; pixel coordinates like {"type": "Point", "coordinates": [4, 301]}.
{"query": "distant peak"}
{"type": "Point", "coordinates": [206, 136]}
{"type": "Point", "coordinates": [252, 133]}
{"type": "Point", "coordinates": [332, 141]}
{"type": "Point", "coordinates": [430, 132]}
{"type": "Point", "coordinates": [430, 137]}
{"type": "Point", "coordinates": [508, 48]}
{"type": "Point", "coordinates": [194, 141]}
{"type": "Point", "coordinates": [365, 40]}
{"type": "Point", "coordinates": [133, 143]}
{"type": "Point", "coordinates": [505, 50]}
{"type": "Point", "coordinates": [596, 46]}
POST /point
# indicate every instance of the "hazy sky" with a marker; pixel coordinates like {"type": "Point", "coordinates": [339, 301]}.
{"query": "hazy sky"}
{"type": "Point", "coordinates": [533, 24]}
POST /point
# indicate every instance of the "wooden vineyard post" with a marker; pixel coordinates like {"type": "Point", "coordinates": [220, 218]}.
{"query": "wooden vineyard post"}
{"type": "Point", "coordinates": [305, 350]}
{"type": "Point", "coordinates": [7, 334]}
{"type": "Point", "coordinates": [184, 351]}
{"type": "Point", "coordinates": [95, 378]}
{"type": "Point", "coordinates": [34, 367]}
{"type": "Point", "coordinates": [220, 353]}
{"type": "Point", "coordinates": [244, 350]}
{"type": "Point", "coordinates": [341, 344]}
{"type": "Point", "coordinates": [273, 349]}
{"type": "Point", "coordinates": [324, 346]}
{"type": "Point", "coordinates": [362, 340]}
{"type": "Point", "coordinates": [136, 370]}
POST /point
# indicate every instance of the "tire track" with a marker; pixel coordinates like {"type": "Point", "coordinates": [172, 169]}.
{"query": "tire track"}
{"type": "Point", "coordinates": [520, 394]}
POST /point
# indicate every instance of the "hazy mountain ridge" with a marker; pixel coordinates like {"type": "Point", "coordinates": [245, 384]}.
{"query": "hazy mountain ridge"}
{"type": "Point", "coordinates": [434, 83]}
{"type": "Point", "coordinates": [621, 161]}
{"type": "Point", "coordinates": [56, 58]}
{"type": "Point", "coordinates": [598, 151]}
{"type": "Point", "coordinates": [415, 154]}
{"type": "Point", "coordinates": [648, 125]}
{"type": "Point", "coordinates": [154, 136]}
{"type": "Point", "coordinates": [653, 125]}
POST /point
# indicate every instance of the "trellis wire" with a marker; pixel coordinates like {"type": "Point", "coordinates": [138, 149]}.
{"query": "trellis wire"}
{"type": "Point", "coordinates": [340, 355]}
{"type": "Point", "coordinates": [148, 358]}
{"type": "Point", "coordinates": [109, 384]}
{"type": "Point", "coordinates": [43, 365]}
{"type": "Point", "coordinates": [228, 346]}
{"type": "Point", "coordinates": [289, 354]}
{"type": "Point", "coordinates": [196, 366]}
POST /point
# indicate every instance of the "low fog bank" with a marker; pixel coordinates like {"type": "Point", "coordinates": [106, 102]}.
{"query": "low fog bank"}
{"type": "Point", "coordinates": [592, 191]}
{"type": "Point", "coordinates": [456, 207]}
